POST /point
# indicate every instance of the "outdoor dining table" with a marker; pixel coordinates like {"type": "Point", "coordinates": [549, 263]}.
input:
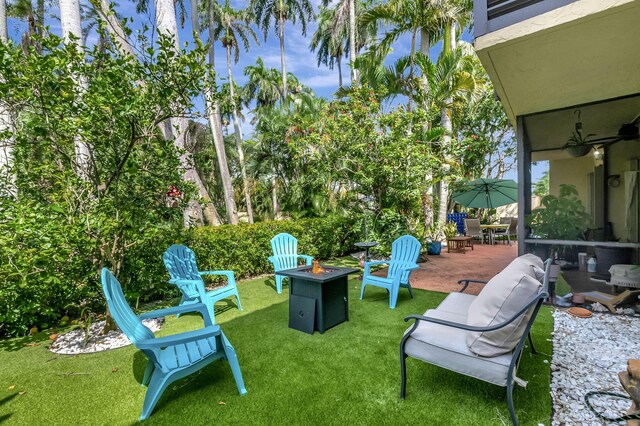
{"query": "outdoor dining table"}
{"type": "Point", "coordinates": [492, 229]}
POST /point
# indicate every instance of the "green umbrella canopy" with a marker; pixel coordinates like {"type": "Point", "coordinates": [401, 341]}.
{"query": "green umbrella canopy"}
{"type": "Point", "coordinates": [487, 193]}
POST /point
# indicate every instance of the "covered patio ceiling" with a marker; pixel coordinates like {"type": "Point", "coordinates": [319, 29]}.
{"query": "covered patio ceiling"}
{"type": "Point", "coordinates": [545, 67]}
{"type": "Point", "coordinates": [548, 132]}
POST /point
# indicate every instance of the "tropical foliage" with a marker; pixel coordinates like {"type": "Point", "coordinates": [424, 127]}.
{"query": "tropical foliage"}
{"type": "Point", "coordinates": [114, 145]}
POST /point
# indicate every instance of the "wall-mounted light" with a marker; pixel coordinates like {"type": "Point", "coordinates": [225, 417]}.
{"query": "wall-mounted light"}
{"type": "Point", "coordinates": [598, 154]}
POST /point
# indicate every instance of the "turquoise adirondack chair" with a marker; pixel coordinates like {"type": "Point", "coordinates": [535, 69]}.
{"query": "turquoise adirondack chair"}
{"type": "Point", "coordinates": [404, 254]}
{"type": "Point", "coordinates": [285, 256]}
{"type": "Point", "coordinates": [180, 262]}
{"type": "Point", "coordinates": [172, 357]}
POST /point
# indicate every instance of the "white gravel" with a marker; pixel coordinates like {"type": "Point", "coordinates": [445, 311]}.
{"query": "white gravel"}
{"type": "Point", "coordinates": [588, 353]}
{"type": "Point", "coordinates": [73, 342]}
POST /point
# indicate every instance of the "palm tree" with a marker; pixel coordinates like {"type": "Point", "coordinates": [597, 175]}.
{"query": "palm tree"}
{"type": "Point", "coordinates": [328, 42]}
{"type": "Point", "coordinates": [263, 85]}
{"type": "Point", "coordinates": [452, 13]}
{"type": "Point", "coordinates": [281, 11]}
{"type": "Point", "coordinates": [335, 38]}
{"type": "Point", "coordinates": [232, 27]}
{"type": "Point", "coordinates": [167, 25]}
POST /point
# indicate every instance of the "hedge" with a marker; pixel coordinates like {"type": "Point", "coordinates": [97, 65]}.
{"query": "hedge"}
{"type": "Point", "coordinates": [245, 248]}
{"type": "Point", "coordinates": [62, 280]}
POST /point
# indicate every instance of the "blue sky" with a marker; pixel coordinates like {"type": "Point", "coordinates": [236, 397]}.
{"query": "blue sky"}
{"type": "Point", "coordinates": [299, 59]}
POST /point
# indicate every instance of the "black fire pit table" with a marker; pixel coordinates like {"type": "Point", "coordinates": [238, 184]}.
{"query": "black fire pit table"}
{"type": "Point", "coordinates": [318, 301]}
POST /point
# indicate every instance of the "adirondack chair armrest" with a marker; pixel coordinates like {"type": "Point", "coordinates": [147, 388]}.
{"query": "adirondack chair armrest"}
{"type": "Point", "coordinates": [179, 281]}
{"type": "Point", "coordinates": [467, 281]}
{"type": "Point", "coordinates": [410, 267]}
{"type": "Point", "coordinates": [368, 265]}
{"type": "Point", "coordinates": [180, 338]}
{"type": "Point", "coordinates": [308, 259]}
{"type": "Point", "coordinates": [192, 307]}
{"type": "Point", "coordinates": [533, 300]}
{"type": "Point", "coordinates": [229, 274]}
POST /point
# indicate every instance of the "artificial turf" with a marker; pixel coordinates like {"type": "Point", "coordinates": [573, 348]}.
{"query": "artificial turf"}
{"type": "Point", "coordinates": [348, 375]}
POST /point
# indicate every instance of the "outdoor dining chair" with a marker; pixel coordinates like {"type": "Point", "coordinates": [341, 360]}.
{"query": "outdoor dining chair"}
{"type": "Point", "coordinates": [473, 229]}
{"type": "Point", "coordinates": [404, 255]}
{"type": "Point", "coordinates": [285, 256]}
{"type": "Point", "coordinates": [173, 357]}
{"type": "Point", "coordinates": [180, 262]}
{"type": "Point", "coordinates": [509, 232]}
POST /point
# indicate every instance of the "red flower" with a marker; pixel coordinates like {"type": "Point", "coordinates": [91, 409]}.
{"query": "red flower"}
{"type": "Point", "coordinates": [174, 192]}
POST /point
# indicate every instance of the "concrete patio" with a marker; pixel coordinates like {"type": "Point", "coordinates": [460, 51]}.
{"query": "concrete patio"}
{"type": "Point", "coordinates": [442, 272]}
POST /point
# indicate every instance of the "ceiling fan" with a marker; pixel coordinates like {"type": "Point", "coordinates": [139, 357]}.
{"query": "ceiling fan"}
{"type": "Point", "coordinates": [627, 132]}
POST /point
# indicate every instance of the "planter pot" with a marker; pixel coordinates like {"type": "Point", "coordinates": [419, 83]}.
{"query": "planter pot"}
{"type": "Point", "coordinates": [578, 150]}
{"type": "Point", "coordinates": [434, 248]}
{"type": "Point", "coordinates": [608, 256]}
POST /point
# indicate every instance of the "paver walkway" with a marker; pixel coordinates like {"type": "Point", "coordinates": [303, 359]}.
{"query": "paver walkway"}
{"type": "Point", "coordinates": [441, 273]}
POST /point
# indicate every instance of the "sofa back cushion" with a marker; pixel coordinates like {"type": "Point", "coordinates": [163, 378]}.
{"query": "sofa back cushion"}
{"type": "Point", "coordinates": [503, 297]}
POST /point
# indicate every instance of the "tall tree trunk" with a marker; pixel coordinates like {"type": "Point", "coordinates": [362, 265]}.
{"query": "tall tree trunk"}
{"type": "Point", "coordinates": [339, 71]}
{"type": "Point", "coordinates": [427, 196]}
{"type": "Point", "coordinates": [447, 125]}
{"type": "Point", "coordinates": [72, 32]}
{"type": "Point", "coordinates": [213, 111]}
{"type": "Point", "coordinates": [274, 196]}
{"type": "Point", "coordinates": [282, 64]}
{"type": "Point", "coordinates": [4, 35]}
{"type": "Point", "coordinates": [412, 63]}
{"type": "Point", "coordinates": [113, 26]}
{"type": "Point", "coordinates": [208, 210]}
{"type": "Point", "coordinates": [238, 131]}
{"type": "Point", "coordinates": [352, 41]}
{"type": "Point", "coordinates": [7, 177]}
{"type": "Point", "coordinates": [166, 24]}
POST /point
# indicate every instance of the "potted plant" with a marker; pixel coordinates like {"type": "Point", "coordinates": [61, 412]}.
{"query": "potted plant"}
{"type": "Point", "coordinates": [450, 230]}
{"type": "Point", "coordinates": [433, 238]}
{"type": "Point", "coordinates": [561, 217]}
{"type": "Point", "coordinates": [577, 146]}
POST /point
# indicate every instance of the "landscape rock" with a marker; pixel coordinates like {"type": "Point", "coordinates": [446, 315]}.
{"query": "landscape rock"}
{"type": "Point", "coordinates": [588, 353]}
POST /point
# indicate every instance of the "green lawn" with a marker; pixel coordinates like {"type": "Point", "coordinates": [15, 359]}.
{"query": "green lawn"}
{"type": "Point", "coordinates": [350, 374]}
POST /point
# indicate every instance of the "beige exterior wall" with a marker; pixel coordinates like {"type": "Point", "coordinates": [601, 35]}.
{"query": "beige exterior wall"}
{"type": "Point", "coordinates": [572, 171]}
{"type": "Point", "coordinates": [618, 162]}
{"type": "Point", "coordinates": [575, 171]}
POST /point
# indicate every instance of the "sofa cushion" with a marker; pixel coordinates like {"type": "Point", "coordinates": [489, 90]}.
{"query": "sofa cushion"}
{"type": "Point", "coordinates": [529, 264]}
{"type": "Point", "coordinates": [503, 297]}
{"type": "Point", "coordinates": [447, 347]}
{"type": "Point", "coordinates": [457, 303]}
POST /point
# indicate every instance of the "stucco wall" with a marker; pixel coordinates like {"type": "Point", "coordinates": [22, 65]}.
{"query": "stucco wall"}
{"type": "Point", "coordinates": [618, 162]}
{"type": "Point", "coordinates": [572, 171]}
{"type": "Point", "coordinates": [575, 171]}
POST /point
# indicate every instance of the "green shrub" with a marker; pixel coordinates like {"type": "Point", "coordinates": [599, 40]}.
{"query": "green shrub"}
{"type": "Point", "coordinates": [48, 265]}
{"type": "Point", "coordinates": [245, 248]}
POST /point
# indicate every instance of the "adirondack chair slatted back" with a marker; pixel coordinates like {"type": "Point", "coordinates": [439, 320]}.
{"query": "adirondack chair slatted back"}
{"type": "Point", "coordinates": [285, 247]}
{"type": "Point", "coordinates": [404, 251]}
{"type": "Point", "coordinates": [120, 310]}
{"type": "Point", "coordinates": [180, 261]}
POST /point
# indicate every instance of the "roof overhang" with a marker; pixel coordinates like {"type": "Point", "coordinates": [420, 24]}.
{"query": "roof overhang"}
{"type": "Point", "coordinates": [581, 53]}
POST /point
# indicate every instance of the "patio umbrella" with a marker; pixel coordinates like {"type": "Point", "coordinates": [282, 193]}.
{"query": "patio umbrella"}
{"type": "Point", "coordinates": [487, 193]}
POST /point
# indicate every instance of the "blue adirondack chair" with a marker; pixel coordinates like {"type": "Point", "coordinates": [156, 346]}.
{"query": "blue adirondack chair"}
{"type": "Point", "coordinates": [404, 254]}
{"type": "Point", "coordinates": [180, 262]}
{"type": "Point", "coordinates": [285, 256]}
{"type": "Point", "coordinates": [171, 357]}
